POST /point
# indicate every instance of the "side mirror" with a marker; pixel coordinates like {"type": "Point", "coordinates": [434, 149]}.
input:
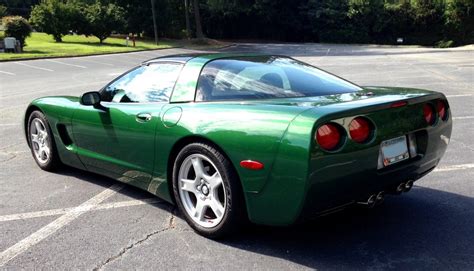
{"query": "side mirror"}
{"type": "Point", "coordinates": [91, 98]}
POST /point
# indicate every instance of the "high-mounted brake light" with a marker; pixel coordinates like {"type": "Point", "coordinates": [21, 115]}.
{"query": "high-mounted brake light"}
{"type": "Point", "coordinates": [328, 136]}
{"type": "Point", "coordinates": [441, 107]}
{"type": "Point", "coordinates": [360, 129]}
{"type": "Point", "coordinates": [398, 104]}
{"type": "Point", "coordinates": [429, 114]}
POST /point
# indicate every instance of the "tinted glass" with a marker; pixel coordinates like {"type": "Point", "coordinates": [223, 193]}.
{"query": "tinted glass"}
{"type": "Point", "coordinates": [151, 83]}
{"type": "Point", "coordinates": [266, 77]}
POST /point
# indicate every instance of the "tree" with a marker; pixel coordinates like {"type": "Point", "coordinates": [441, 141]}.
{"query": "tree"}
{"type": "Point", "coordinates": [103, 19]}
{"type": "Point", "coordinates": [3, 11]}
{"type": "Point", "coordinates": [17, 27]}
{"type": "Point", "coordinates": [52, 17]}
{"type": "Point", "coordinates": [197, 18]}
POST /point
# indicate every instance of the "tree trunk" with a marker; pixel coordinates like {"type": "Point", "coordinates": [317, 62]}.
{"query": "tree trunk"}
{"type": "Point", "coordinates": [186, 14]}
{"type": "Point", "coordinates": [197, 18]}
{"type": "Point", "coordinates": [58, 38]}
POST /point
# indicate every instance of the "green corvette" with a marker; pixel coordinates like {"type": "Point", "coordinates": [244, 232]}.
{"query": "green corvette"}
{"type": "Point", "coordinates": [235, 137]}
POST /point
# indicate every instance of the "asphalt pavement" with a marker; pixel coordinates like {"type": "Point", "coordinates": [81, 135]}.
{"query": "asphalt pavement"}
{"type": "Point", "coordinates": [77, 220]}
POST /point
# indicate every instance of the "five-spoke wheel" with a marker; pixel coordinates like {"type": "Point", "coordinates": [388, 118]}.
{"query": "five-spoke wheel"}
{"type": "Point", "coordinates": [207, 190]}
{"type": "Point", "coordinates": [41, 141]}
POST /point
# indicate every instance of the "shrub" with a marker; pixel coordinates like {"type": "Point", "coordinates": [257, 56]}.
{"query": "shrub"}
{"type": "Point", "coordinates": [52, 17]}
{"type": "Point", "coordinates": [17, 27]}
{"type": "Point", "coordinates": [3, 11]}
{"type": "Point", "coordinates": [103, 19]}
{"type": "Point", "coordinates": [460, 21]}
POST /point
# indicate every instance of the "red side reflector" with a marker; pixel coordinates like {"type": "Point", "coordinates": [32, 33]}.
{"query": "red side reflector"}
{"type": "Point", "coordinates": [398, 104]}
{"type": "Point", "coordinates": [249, 164]}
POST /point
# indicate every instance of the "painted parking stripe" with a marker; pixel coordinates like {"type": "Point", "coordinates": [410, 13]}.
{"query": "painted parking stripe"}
{"type": "Point", "coordinates": [61, 211]}
{"type": "Point", "coordinates": [463, 118]}
{"type": "Point", "coordinates": [33, 67]}
{"type": "Point", "coordinates": [43, 233]}
{"type": "Point", "coordinates": [8, 73]}
{"type": "Point", "coordinates": [67, 64]}
{"type": "Point", "coordinates": [97, 62]}
{"type": "Point", "coordinates": [459, 95]}
{"type": "Point", "coordinates": [454, 167]}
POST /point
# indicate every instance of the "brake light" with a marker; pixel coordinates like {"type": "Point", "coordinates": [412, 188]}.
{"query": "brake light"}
{"type": "Point", "coordinates": [328, 136]}
{"type": "Point", "coordinates": [441, 107]}
{"type": "Point", "coordinates": [360, 129]}
{"type": "Point", "coordinates": [429, 114]}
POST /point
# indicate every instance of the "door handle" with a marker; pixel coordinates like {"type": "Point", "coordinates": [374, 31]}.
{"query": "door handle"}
{"type": "Point", "coordinates": [143, 117]}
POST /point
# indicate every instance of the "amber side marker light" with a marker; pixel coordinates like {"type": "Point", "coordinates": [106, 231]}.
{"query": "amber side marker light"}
{"type": "Point", "coordinates": [328, 136]}
{"type": "Point", "coordinates": [250, 164]}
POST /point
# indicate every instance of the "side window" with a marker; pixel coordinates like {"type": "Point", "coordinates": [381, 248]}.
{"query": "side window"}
{"type": "Point", "coordinates": [151, 83]}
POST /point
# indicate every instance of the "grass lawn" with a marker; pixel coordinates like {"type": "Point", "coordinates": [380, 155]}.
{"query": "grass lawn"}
{"type": "Point", "coordinates": [43, 45]}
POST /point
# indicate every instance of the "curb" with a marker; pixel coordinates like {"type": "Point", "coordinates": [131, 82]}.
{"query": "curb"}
{"type": "Point", "coordinates": [68, 56]}
{"type": "Point", "coordinates": [113, 53]}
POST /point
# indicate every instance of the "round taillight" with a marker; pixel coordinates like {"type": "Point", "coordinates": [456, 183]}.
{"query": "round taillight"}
{"type": "Point", "coordinates": [360, 129]}
{"type": "Point", "coordinates": [441, 107]}
{"type": "Point", "coordinates": [429, 114]}
{"type": "Point", "coordinates": [328, 136]}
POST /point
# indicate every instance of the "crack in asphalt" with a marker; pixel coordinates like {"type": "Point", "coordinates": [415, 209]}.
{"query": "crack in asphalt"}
{"type": "Point", "coordinates": [171, 225]}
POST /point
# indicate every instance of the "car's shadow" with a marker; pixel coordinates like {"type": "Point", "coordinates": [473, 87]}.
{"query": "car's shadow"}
{"type": "Point", "coordinates": [422, 229]}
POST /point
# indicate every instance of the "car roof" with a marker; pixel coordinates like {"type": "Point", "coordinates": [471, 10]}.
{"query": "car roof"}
{"type": "Point", "coordinates": [183, 58]}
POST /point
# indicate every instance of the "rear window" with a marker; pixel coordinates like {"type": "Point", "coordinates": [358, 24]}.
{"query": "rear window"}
{"type": "Point", "coordinates": [266, 77]}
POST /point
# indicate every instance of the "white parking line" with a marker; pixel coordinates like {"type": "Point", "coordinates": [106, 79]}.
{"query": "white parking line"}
{"type": "Point", "coordinates": [67, 64]}
{"type": "Point", "coordinates": [97, 62]}
{"type": "Point", "coordinates": [9, 73]}
{"type": "Point", "coordinates": [33, 67]}
{"type": "Point", "coordinates": [57, 224]}
{"type": "Point", "coordinates": [463, 118]}
{"type": "Point", "coordinates": [454, 167]}
{"type": "Point", "coordinates": [459, 95]}
{"type": "Point", "coordinates": [62, 211]}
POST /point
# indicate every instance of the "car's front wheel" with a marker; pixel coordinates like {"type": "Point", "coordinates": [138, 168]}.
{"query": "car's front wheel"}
{"type": "Point", "coordinates": [42, 142]}
{"type": "Point", "coordinates": [207, 190]}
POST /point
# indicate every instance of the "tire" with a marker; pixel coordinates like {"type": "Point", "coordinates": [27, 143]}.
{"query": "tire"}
{"type": "Point", "coordinates": [41, 141]}
{"type": "Point", "coordinates": [212, 201]}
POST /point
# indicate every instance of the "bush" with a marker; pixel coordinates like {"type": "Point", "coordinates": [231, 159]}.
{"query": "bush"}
{"type": "Point", "coordinates": [460, 21]}
{"type": "Point", "coordinates": [52, 17]}
{"type": "Point", "coordinates": [17, 27]}
{"type": "Point", "coordinates": [103, 19]}
{"type": "Point", "coordinates": [3, 11]}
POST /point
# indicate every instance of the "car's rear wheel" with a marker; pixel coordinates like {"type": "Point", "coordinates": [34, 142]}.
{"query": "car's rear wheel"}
{"type": "Point", "coordinates": [41, 141]}
{"type": "Point", "coordinates": [207, 190]}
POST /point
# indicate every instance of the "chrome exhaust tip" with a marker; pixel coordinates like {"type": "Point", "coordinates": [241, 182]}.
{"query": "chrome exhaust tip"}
{"type": "Point", "coordinates": [380, 198]}
{"type": "Point", "coordinates": [370, 202]}
{"type": "Point", "coordinates": [400, 188]}
{"type": "Point", "coordinates": [408, 186]}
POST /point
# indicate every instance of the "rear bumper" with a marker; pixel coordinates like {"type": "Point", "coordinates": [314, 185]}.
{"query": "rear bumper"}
{"type": "Point", "coordinates": [297, 189]}
{"type": "Point", "coordinates": [356, 176]}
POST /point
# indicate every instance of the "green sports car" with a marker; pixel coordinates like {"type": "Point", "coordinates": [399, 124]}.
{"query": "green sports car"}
{"type": "Point", "coordinates": [230, 138]}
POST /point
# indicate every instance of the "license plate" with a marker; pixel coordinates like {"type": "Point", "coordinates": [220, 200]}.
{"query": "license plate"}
{"type": "Point", "coordinates": [394, 150]}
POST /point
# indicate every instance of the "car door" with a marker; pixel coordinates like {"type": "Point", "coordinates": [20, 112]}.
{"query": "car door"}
{"type": "Point", "coordinates": [118, 140]}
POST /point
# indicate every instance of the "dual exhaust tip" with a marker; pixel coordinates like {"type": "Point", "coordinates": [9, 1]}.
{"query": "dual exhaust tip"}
{"type": "Point", "coordinates": [376, 199]}
{"type": "Point", "coordinates": [404, 187]}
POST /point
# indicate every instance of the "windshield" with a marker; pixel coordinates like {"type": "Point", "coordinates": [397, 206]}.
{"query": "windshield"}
{"type": "Point", "coordinates": [266, 77]}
